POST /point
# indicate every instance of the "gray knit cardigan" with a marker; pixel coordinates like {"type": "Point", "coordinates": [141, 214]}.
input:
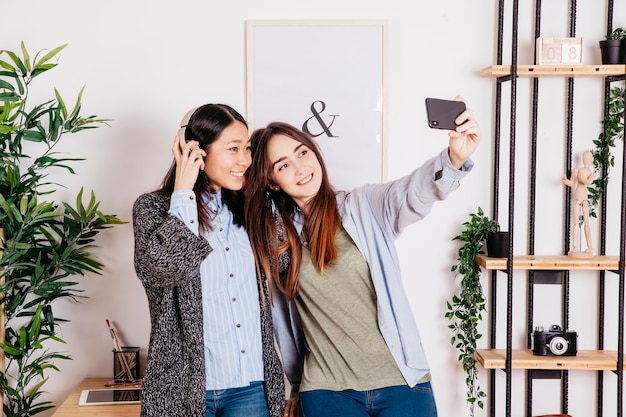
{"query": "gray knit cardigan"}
{"type": "Point", "coordinates": [167, 261]}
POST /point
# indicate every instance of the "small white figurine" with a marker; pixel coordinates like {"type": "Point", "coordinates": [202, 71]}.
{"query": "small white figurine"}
{"type": "Point", "coordinates": [582, 177]}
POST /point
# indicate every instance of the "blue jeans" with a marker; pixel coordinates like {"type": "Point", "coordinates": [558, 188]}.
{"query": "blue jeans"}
{"type": "Point", "coordinates": [396, 401]}
{"type": "Point", "coordinates": [237, 402]}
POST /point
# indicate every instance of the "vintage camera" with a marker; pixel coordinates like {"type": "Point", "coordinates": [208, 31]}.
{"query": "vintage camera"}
{"type": "Point", "coordinates": [555, 342]}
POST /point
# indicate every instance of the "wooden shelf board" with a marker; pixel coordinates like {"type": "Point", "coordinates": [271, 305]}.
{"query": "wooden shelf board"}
{"type": "Point", "coordinates": [559, 70]}
{"type": "Point", "coordinates": [549, 262]}
{"type": "Point", "coordinates": [585, 360]}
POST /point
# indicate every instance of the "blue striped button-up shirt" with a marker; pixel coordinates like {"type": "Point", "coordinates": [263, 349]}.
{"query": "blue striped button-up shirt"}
{"type": "Point", "coordinates": [230, 297]}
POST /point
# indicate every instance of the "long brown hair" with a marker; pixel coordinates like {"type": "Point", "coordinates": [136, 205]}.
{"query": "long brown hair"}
{"type": "Point", "coordinates": [266, 205]}
{"type": "Point", "coordinates": [206, 126]}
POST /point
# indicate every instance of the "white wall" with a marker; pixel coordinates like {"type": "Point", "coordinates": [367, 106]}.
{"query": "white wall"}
{"type": "Point", "coordinates": [144, 63]}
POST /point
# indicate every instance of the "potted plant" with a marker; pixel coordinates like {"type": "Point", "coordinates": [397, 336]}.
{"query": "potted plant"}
{"type": "Point", "coordinates": [497, 244]}
{"type": "Point", "coordinates": [613, 48]}
{"type": "Point", "coordinates": [465, 308]}
{"type": "Point", "coordinates": [613, 130]}
{"type": "Point", "coordinates": [45, 243]}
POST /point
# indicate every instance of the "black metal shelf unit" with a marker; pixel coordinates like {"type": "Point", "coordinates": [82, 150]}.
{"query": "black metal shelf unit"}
{"type": "Point", "coordinates": [535, 277]}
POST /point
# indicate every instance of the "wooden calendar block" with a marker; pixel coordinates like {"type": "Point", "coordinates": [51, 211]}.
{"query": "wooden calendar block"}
{"type": "Point", "coordinates": [559, 51]}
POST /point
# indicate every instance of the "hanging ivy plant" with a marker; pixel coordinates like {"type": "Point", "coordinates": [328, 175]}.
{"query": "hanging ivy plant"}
{"type": "Point", "coordinates": [466, 308]}
{"type": "Point", "coordinates": [602, 156]}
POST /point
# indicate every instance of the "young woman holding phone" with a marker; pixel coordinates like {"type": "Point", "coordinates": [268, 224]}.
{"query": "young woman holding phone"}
{"type": "Point", "coordinates": [352, 338]}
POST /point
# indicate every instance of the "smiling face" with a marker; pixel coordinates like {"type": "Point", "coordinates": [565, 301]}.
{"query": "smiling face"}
{"type": "Point", "coordinates": [295, 169]}
{"type": "Point", "coordinates": [228, 157]}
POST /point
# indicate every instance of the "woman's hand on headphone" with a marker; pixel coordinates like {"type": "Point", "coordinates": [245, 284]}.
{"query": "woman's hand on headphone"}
{"type": "Point", "coordinates": [189, 162]}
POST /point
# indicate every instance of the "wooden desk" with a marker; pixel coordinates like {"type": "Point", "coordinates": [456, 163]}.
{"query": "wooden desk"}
{"type": "Point", "coordinates": [70, 407]}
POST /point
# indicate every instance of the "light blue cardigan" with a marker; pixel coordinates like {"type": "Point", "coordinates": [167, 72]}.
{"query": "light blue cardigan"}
{"type": "Point", "coordinates": [374, 215]}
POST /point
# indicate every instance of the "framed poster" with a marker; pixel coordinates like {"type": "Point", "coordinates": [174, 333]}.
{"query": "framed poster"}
{"type": "Point", "coordinates": [328, 79]}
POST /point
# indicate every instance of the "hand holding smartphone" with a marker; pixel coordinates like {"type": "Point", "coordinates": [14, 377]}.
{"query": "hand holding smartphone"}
{"type": "Point", "coordinates": [442, 113]}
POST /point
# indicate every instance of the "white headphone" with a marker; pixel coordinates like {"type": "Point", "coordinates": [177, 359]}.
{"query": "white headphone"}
{"type": "Point", "coordinates": [183, 126]}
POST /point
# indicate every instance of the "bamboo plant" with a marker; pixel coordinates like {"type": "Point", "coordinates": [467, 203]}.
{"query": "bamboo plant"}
{"type": "Point", "coordinates": [46, 243]}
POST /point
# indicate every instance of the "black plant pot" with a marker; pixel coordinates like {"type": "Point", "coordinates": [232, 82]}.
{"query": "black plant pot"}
{"type": "Point", "coordinates": [613, 51]}
{"type": "Point", "coordinates": [498, 245]}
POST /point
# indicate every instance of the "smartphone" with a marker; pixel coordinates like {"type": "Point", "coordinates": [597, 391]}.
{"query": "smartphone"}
{"type": "Point", "coordinates": [442, 113]}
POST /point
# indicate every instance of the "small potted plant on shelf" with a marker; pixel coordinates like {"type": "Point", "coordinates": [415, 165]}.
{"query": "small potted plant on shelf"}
{"type": "Point", "coordinates": [466, 308]}
{"type": "Point", "coordinates": [613, 48]}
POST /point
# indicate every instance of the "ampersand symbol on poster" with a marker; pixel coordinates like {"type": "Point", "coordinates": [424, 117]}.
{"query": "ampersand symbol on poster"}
{"type": "Point", "coordinates": [317, 115]}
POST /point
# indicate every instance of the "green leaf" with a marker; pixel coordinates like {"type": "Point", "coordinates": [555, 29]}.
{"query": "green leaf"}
{"type": "Point", "coordinates": [23, 337]}
{"type": "Point", "coordinates": [47, 57]}
{"type": "Point", "coordinates": [10, 350]}
{"type": "Point", "coordinates": [26, 58]}
{"type": "Point", "coordinates": [7, 66]}
{"type": "Point", "coordinates": [61, 103]}
{"type": "Point", "coordinates": [77, 106]}
{"type": "Point", "coordinates": [36, 325]}
{"type": "Point", "coordinates": [17, 61]}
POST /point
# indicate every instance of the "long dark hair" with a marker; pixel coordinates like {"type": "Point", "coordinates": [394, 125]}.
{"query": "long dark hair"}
{"type": "Point", "coordinates": [206, 126]}
{"type": "Point", "coordinates": [321, 223]}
